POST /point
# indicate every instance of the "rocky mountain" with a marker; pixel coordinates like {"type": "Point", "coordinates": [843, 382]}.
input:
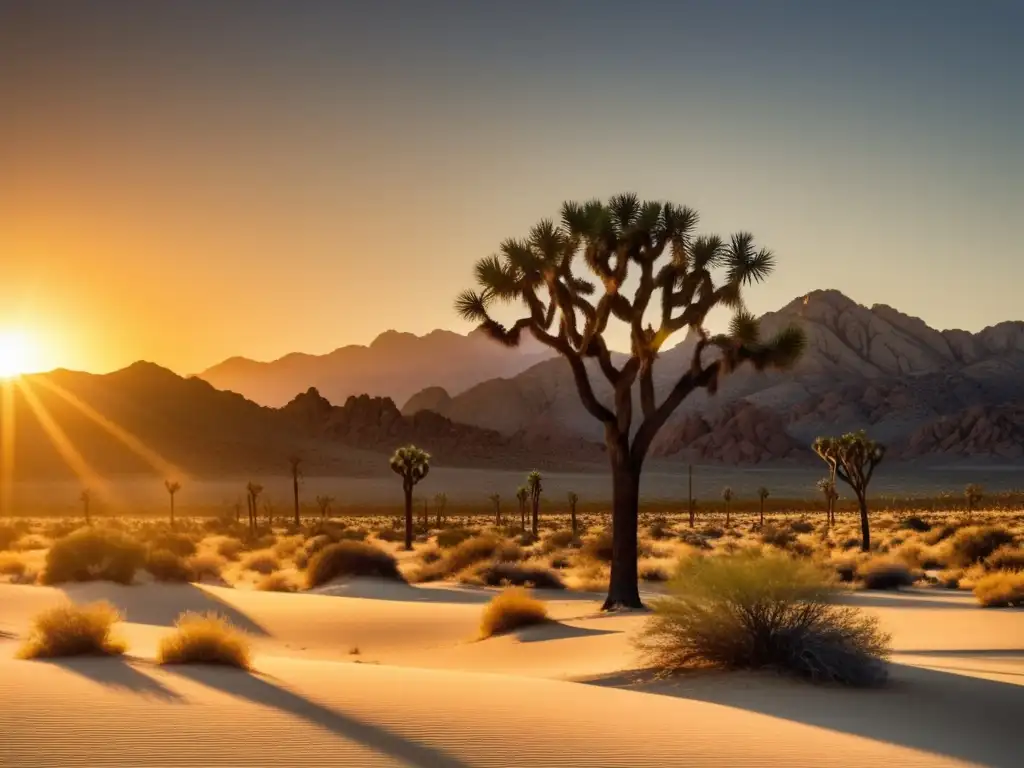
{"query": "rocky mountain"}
{"type": "Point", "coordinates": [394, 365]}
{"type": "Point", "coordinates": [865, 367]}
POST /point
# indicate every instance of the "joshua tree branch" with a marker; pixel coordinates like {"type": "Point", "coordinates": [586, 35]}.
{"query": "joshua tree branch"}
{"type": "Point", "coordinates": [579, 372]}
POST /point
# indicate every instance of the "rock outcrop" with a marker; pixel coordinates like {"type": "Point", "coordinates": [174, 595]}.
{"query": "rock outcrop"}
{"type": "Point", "coordinates": [996, 432]}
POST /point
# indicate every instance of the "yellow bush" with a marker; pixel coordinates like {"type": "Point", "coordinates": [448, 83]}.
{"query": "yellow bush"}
{"type": "Point", "coordinates": [1000, 589]}
{"type": "Point", "coordinates": [205, 639]}
{"type": "Point", "coordinates": [74, 630]}
{"type": "Point", "coordinates": [511, 609]}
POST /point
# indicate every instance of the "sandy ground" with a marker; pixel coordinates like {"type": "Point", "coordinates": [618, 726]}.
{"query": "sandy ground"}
{"type": "Point", "coordinates": [368, 674]}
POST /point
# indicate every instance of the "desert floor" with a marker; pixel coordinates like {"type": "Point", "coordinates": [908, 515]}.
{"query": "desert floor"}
{"type": "Point", "coordinates": [366, 673]}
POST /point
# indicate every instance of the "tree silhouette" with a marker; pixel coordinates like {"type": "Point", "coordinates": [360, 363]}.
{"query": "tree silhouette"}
{"type": "Point", "coordinates": [827, 487]}
{"type": "Point", "coordinates": [521, 496]}
{"type": "Point", "coordinates": [254, 490]}
{"type": "Point", "coordinates": [534, 487]}
{"type": "Point", "coordinates": [495, 499]}
{"type": "Point", "coordinates": [85, 498]}
{"type": "Point", "coordinates": [412, 464]}
{"type": "Point", "coordinates": [685, 276]}
{"type": "Point", "coordinates": [295, 464]}
{"type": "Point", "coordinates": [441, 502]}
{"type": "Point", "coordinates": [573, 500]}
{"type": "Point", "coordinates": [856, 457]}
{"type": "Point", "coordinates": [827, 449]}
{"type": "Point", "coordinates": [172, 486]}
{"type": "Point", "coordinates": [973, 494]}
{"type": "Point", "coordinates": [762, 494]}
{"type": "Point", "coordinates": [727, 498]}
{"type": "Point", "coordinates": [324, 503]}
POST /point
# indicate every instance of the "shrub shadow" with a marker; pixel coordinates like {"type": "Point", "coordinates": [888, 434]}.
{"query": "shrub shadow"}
{"type": "Point", "coordinates": [894, 598]}
{"type": "Point", "coordinates": [114, 673]}
{"type": "Point", "coordinates": [965, 718]}
{"type": "Point", "coordinates": [556, 630]}
{"type": "Point", "coordinates": [259, 690]}
{"type": "Point", "coordinates": [140, 605]}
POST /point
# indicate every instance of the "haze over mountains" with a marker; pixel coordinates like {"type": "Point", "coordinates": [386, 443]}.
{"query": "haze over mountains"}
{"type": "Point", "coordinates": [940, 396]}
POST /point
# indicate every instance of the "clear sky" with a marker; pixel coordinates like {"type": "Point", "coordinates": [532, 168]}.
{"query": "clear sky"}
{"type": "Point", "coordinates": [182, 182]}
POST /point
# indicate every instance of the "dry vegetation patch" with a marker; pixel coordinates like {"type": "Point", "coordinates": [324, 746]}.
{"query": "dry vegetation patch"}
{"type": "Point", "coordinates": [513, 608]}
{"type": "Point", "coordinates": [973, 544]}
{"type": "Point", "coordinates": [512, 574]}
{"type": "Point", "coordinates": [885, 573]}
{"type": "Point", "coordinates": [74, 630]}
{"type": "Point", "coordinates": [351, 558]}
{"type": "Point", "coordinates": [1001, 589]}
{"type": "Point", "coordinates": [205, 638]}
{"type": "Point", "coordinates": [93, 554]}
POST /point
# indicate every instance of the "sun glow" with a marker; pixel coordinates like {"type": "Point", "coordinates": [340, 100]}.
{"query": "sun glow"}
{"type": "Point", "coordinates": [17, 354]}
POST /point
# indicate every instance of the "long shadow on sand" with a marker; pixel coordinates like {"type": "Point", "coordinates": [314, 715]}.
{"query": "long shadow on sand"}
{"type": "Point", "coordinates": [375, 589]}
{"type": "Point", "coordinates": [556, 630]}
{"type": "Point", "coordinates": [898, 599]}
{"type": "Point", "coordinates": [259, 691]}
{"type": "Point", "coordinates": [961, 717]}
{"type": "Point", "coordinates": [140, 605]}
{"type": "Point", "coordinates": [114, 673]}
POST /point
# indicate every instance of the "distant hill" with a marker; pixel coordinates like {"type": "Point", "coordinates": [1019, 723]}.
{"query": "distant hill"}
{"type": "Point", "coordinates": [877, 368]}
{"type": "Point", "coordinates": [394, 365]}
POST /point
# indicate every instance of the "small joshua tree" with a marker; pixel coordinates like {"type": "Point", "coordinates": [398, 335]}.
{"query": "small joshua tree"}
{"type": "Point", "coordinates": [324, 503]}
{"type": "Point", "coordinates": [440, 502]}
{"type": "Point", "coordinates": [973, 494]}
{"type": "Point", "coordinates": [535, 488]}
{"type": "Point", "coordinates": [295, 464]}
{"type": "Point", "coordinates": [254, 490]}
{"type": "Point", "coordinates": [762, 494]}
{"type": "Point", "coordinates": [495, 499]}
{"type": "Point", "coordinates": [727, 498]}
{"type": "Point", "coordinates": [412, 465]}
{"type": "Point", "coordinates": [828, 489]}
{"type": "Point", "coordinates": [856, 456]}
{"type": "Point", "coordinates": [521, 496]}
{"type": "Point", "coordinates": [172, 486]}
{"type": "Point", "coordinates": [679, 278]}
{"type": "Point", "coordinates": [573, 500]}
{"type": "Point", "coordinates": [827, 449]}
{"type": "Point", "coordinates": [85, 498]}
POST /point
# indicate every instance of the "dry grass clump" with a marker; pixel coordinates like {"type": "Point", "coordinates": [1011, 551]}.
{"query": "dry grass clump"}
{"type": "Point", "coordinates": [31, 542]}
{"type": "Point", "coordinates": [12, 564]}
{"type": "Point", "coordinates": [1007, 558]}
{"type": "Point", "coordinates": [262, 561]}
{"type": "Point", "coordinates": [165, 565]}
{"type": "Point", "coordinates": [279, 581]}
{"type": "Point", "coordinates": [206, 565]}
{"type": "Point", "coordinates": [390, 535]}
{"type": "Point", "coordinates": [74, 630]}
{"type": "Point", "coordinates": [915, 523]}
{"type": "Point", "coordinates": [468, 553]}
{"type": "Point", "coordinates": [287, 546]}
{"type": "Point", "coordinates": [974, 543]}
{"type": "Point", "coordinates": [654, 571]}
{"type": "Point", "coordinates": [178, 543]}
{"type": "Point", "coordinates": [558, 540]}
{"type": "Point", "coordinates": [747, 612]}
{"type": "Point", "coordinates": [205, 639]}
{"type": "Point", "coordinates": [885, 573]}
{"type": "Point", "coordinates": [229, 547]}
{"type": "Point", "coordinates": [93, 554]}
{"type": "Point", "coordinates": [513, 608]}
{"type": "Point", "coordinates": [1001, 589]}
{"type": "Point", "coordinates": [777, 537]}
{"type": "Point", "coordinates": [350, 558]}
{"type": "Point", "coordinates": [514, 574]}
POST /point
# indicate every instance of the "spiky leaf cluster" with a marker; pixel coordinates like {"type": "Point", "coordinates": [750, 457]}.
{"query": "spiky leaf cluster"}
{"type": "Point", "coordinates": [411, 463]}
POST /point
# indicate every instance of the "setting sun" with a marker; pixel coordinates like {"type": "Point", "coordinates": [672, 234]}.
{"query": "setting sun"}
{"type": "Point", "coordinates": [16, 353]}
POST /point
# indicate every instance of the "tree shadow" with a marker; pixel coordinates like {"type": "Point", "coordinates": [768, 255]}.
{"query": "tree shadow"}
{"type": "Point", "coordinates": [965, 718]}
{"type": "Point", "coordinates": [392, 591]}
{"type": "Point", "coordinates": [259, 690]}
{"type": "Point", "coordinates": [897, 599]}
{"type": "Point", "coordinates": [556, 630]}
{"type": "Point", "coordinates": [140, 605]}
{"type": "Point", "coordinates": [116, 673]}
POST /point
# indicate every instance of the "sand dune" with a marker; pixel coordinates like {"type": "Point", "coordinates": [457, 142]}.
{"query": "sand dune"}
{"type": "Point", "coordinates": [422, 691]}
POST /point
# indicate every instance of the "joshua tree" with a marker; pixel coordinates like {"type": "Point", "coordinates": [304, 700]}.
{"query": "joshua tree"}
{"type": "Point", "coordinates": [828, 449]}
{"type": "Point", "coordinates": [573, 500]}
{"type": "Point", "coordinates": [856, 456]}
{"type": "Point", "coordinates": [172, 486]}
{"type": "Point", "coordinates": [412, 464]}
{"type": "Point", "coordinates": [828, 489]}
{"type": "Point", "coordinates": [973, 494]}
{"type": "Point", "coordinates": [685, 276]}
{"type": "Point", "coordinates": [762, 494]}
{"type": "Point", "coordinates": [295, 463]}
{"type": "Point", "coordinates": [440, 501]}
{"type": "Point", "coordinates": [238, 510]}
{"type": "Point", "coordinates": [521, 496]}
{"type": "Point", "coordinates": [324, 503]}
{"type": "Point", "coordinates": [85, 498]}
{"type": "Point", "coordinates": [535, 488]}
{"type": "Point", "coordinates": [254, 490]}
{"type": "Point", "coordinates": [495, 499]}
{"type": "Point", "coordinates": [727, 498]}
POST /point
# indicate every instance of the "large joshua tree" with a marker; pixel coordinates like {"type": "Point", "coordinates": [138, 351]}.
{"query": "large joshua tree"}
{"type": "Point", "coordinates": [855, 458]}
{"type": "Point", "coordinates": [573, 501]}
{"type": "Point", "coordinates": [727, 498]}
{"type": "Point", "coordinates": [412, 465]}
{"type": "Point", "coordinates": [762, 494]}
{"type": "Point", "coordinates": [535, 488]}
{"type": "Point", "coordinates": [172, 486]}
{"type": "Point", "coordinates": [678, 277]}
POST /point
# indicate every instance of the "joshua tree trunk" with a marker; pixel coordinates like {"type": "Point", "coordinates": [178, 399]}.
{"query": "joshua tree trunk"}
{"type": "Point", "coordinates": [407, 487]}
{"type": "Point", "coordinates": [572, 518]}
{"type": "Point", "coordinates": [295, 494]}
{"type": "Point", "coordinates": [689, 494]}
{"type": "Point", "coordinates": [439, 520]}
{"type": "Point", "coordinates": [728, 510]}
{"type": "Point", "coordinates": [623, 590]}
{"type": "Point", "coordinates": [535, 527]}
{"type": "Point", "coordinates": [762, 512]}
{"type": "Point", "coordinates": [172, 510]}
{"type": "Point", "coordinates": [865, 530]}
{"type": "Point", "coordinates": [497, 514]}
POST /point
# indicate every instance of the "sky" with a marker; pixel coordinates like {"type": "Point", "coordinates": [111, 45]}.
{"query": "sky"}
{"type": "Point", "coordinates": [184, 182]}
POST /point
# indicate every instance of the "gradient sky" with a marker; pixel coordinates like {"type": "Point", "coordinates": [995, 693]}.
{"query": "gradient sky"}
{"type": "Point", "coordinates": [182, 182]}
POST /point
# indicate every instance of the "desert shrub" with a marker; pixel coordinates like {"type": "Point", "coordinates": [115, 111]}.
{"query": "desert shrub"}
{"type": "Point", "coordinates": [846, 570]}
{"type": "Point", "coordinates": [277, 582]}
{"type": "Point", "coordinates": [177, 543]}
{"type": "Point", "coordinates": [93, 554]}
{"type": "Point", "coordinates": [469, 552]}
{"type": "Point", "coordinates": [1007, 558]}
{"type": "Point", "coordinates": [350, 534]}
{"type": "Point", "coordinates": [230, 548]}
{"type": "Point", "coordinates": [915, 523]}
{"type": "Point", "coordinates": [884, 573]}
{"type": "Point", "coordinates": [287, 546]}
{"type": "Point", "coordinates": [165, 565]}
{"type": "Point", "coordinates": [935, 535]}
{"type": "Point", "coordinates": [390, 535]}
{"type": "Point", "coordinates": [204, 639]}
{"type": "Point", "coordinates": [950, 579]}
{"type": "Point", "coordinates": [74, 630]}
{"type": "Point", "coordinates": [206, 565]}
{"type": "Point", "coordinates": [262, 561]}
{"type": "Point", "coordinates": [1000, 589]}
{"type": "Point", "coordinates": [8, 535]}
{"type": "Point", "coordinates": [430, 555]}
{"type": "Point", "coordinates": [801, 526]}
{"type": "Point", "coordinates": [31, 542]}
{"type": "Point", "coordinates": [511, 609]}
{"type": "Point", "coordinates": [452, 537]}
{"type": "Point", "coordinates": [653, 572]}
{"type": "Point", "coordinates": [515, 574]}
{"type": "Point", "coordinates": [777, 537]}
{"type": "Point", "coordinates": [974, 543]}
{"type": "Point", "coordinates": [526, 539]}
{"type": "Point", "coordinates": [598, 547]}
{"type": "Point", "coordinates": [712, 532]}
{"type": "Point", "coordinates": [694, 539]}
{"type": "Point", "coordinates": [558, 540]}
{"type": "Point", "coordinates": [745, 612]}
{"type": "Point", "coordinates": [350, 558]}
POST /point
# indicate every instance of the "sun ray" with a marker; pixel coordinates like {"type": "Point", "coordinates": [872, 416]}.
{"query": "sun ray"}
{"type": "Point", "coordinates": [6, 446]}
{"type": "Point", "coordinates": [75, 461]}
{"type": "Point", "coordinates": [126, 438]}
